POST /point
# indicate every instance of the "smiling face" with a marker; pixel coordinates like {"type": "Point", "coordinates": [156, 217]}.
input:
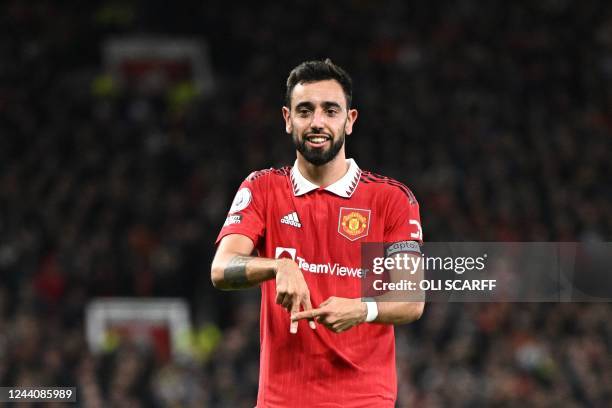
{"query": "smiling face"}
{"type": "Point", "coordinates": [318, 120]}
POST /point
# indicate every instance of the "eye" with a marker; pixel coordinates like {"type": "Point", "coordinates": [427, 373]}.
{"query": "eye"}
{"type": "Point", "coordinates": [303, 112]}
{"type": "Point", "coordinates": [332, 112]}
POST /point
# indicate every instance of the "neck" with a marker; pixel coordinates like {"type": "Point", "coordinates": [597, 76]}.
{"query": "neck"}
{"type": "Point", "coordinates": [325, 174]}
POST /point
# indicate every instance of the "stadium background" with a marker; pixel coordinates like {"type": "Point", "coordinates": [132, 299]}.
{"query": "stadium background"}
{"type": "Point", "coordinates": [496, 114]}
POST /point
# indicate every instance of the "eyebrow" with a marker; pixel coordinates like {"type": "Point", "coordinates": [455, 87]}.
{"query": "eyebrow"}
{"type": "Point", "coordinates": [326, 105]}
{"type": "Point", "coordinates": [331, 105]}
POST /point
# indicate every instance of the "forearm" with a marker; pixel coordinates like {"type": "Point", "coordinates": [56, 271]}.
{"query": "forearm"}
{"type": "Point", "coordinates": [394, 306]}
{"type": "Point", "coordinates": [234, 271]}
{"type": "Point", "coordinates": [399, 312]}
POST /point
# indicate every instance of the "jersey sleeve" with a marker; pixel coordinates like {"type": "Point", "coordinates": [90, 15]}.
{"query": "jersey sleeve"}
{"type": "Point", "coordinates": [246, 215]}
{"type": "Point", "coordinates": [403, 220]}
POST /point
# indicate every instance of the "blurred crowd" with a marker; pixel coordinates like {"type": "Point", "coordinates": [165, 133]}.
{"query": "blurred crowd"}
{"type": "Point", "coordinates": [498, 116]}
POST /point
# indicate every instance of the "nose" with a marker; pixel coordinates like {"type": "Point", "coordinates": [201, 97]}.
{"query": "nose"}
{"type": "Point", "coordinates": [317, 119]}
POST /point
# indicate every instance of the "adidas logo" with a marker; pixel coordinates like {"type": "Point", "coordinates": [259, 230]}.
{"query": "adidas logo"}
{"type": "Point", "coordinates": [291, 219]}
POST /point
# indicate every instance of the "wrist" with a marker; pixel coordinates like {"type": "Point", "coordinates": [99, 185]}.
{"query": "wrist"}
{"type": "Point", "coordinates": [363, 311]}
{"type": "Point", "coordinates": [281, 263]}
{"type": "Point", "coordinates": [276, 265]}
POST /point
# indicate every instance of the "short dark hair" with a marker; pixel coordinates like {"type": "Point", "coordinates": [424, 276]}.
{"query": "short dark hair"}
{"type": "Point", "coordinates": [313, 71]}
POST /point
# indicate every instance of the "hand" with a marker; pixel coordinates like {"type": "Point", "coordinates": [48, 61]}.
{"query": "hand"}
{"type": "Point", "coordinates": [292, 291]}
{"type": "Point", "coordinates": [336, 313]}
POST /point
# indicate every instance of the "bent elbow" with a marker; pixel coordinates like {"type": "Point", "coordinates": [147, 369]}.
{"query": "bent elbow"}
{"type": "Point", "coordinates": [413, 312]}
{"type": "Point", "coordinates": [419, 308]}
{"type": "Point", "coordinates": [216, 276]}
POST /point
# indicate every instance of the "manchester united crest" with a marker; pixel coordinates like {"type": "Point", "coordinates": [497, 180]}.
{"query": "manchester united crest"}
{"type": "Point", "coordinates": [353, 223]}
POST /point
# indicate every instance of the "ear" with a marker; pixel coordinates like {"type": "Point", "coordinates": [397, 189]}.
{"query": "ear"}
{"type": "Point", "coordinates": [287, 117]}
{"type": "Point", "coordinates": [351, 117]}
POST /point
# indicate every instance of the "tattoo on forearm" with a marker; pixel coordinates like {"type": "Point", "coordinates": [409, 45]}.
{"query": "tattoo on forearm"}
{"type": "Point", "coordinates": [235, 272]}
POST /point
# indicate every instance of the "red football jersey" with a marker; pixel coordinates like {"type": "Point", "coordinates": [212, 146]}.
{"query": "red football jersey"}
{"type": "Point", "coordinates": [285, 215]}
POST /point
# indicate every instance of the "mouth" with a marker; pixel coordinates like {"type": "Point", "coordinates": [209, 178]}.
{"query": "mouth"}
{"type": "Point", "coordinates": [317, 140]}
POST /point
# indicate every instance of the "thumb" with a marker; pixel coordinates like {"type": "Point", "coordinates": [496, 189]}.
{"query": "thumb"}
{"type": "Point", "coordinates": [326, 301]}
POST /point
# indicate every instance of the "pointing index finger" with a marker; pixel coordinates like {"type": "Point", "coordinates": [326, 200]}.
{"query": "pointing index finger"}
{"type": "Point", "coordinates": [307, 314]}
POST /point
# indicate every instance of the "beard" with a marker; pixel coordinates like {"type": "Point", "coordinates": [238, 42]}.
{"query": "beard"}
{"type": "Point", "coordinates": [318, 157]}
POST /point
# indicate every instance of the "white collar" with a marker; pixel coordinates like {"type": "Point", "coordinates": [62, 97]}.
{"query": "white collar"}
{"type": "Point", "coordinates": [345, 187]}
